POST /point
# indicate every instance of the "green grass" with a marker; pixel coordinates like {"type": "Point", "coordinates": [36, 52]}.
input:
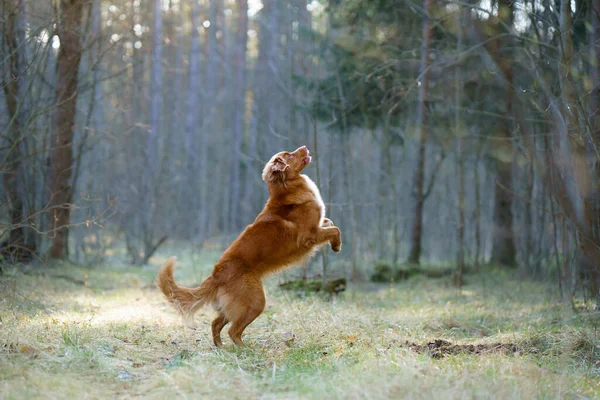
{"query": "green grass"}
{"type": "Point", "coordinates": [107, 332]}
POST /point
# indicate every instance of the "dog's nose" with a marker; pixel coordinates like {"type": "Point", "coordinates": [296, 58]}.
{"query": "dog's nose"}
{"type": "Point", "coordinates": [303, 148]}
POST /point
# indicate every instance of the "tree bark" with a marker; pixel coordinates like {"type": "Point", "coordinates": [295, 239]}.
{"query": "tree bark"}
{"type": "Point", "coordinates": [504, 251]}
{"type": "Point", "coordinates": [12, 12]}
{"type": "Point", "coordinates": [589, 253]}
{"type": "Point", "coordinates": [192, 134]}
{"type": "Point", "coordinates": [460, 231]}
{"type": "Point", "coordinates": [152, 161]}
{"type": "Point", "coordinates": [477, 211]}
{"type": "Point", "coordinates": [593, 147]}
{"type": "Point", "coordinates": [323, 249]}
{"type": "Point", "coordinates": [239, 111]}
{"type": "Point", "coordinates": [594, 106]}
{"type": "Point", "coordinates": [267, 97]}
{"type": "Point", "coordinates": [382, 194]}
{"type": "Point", "coordinates": [69, 55]}
{"type": "Point", "coordinates": [419, 172]}
{"type": "Point", "coordinates": [211, 103]}
{"type": "Point", "coordinates": [251, 174]}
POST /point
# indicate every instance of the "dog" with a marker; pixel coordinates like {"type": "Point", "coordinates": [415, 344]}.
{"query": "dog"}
{"type": "Point", "coordinates": [289, 229]}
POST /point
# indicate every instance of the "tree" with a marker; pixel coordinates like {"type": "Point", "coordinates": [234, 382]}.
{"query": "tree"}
{"type": "Point", "coordinates": [239, 111]}
{"type": "Point", "coordinates": [152, 171]}
{"type": "Point", "coordinates": [504, 251]}
{"type": "Point", "coordinates": [192, 133]}
{"type": "Point", "coordinates": [581, 169]}
{"type": "Point", "coordinates": [460, 231]}
{"type": "Point", "coordinates": [69, 55]}
{"type": "Point", "coordinates": [592, 202]}
{"type": "Point", "coordinates": [14, 37]}
{"type": "Point", "coordinates": [418, 191]}
{"type": "Point", "coordinates": [152, 154]}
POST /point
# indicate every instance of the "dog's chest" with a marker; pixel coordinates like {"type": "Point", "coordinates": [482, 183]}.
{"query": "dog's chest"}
{"type": "Point", "coordinates": [317, 194]}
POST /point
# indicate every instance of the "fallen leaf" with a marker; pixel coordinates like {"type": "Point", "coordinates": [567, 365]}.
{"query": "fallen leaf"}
{"type": "Point", "coordinates": [27, 349]}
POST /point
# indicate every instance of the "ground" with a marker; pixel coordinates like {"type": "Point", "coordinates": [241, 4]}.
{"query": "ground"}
{"type": "Point", "coordinates": [106, 332]}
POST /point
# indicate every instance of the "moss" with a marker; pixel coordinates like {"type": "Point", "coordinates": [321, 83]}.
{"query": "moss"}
{"type": "Point", "coordinates": [332, 286]}
{"type": "Point", "coordinates": [385, 272]}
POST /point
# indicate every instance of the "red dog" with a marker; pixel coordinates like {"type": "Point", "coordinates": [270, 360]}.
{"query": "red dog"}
{"type": "Point", "coordinates": [289, 229]}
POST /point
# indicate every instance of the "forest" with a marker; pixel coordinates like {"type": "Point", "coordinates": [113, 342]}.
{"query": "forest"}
{"type": "Point", "coordinates": [455, 143]}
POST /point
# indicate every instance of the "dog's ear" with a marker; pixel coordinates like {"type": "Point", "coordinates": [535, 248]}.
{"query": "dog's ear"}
{"type": "Point", "coordinates": [275, 170]}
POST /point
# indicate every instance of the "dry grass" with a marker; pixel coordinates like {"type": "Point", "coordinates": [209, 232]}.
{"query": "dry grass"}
{"type": "Point", "coordinates": [115, 337]}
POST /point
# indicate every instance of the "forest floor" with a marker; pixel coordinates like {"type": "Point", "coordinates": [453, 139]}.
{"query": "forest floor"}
{"type": "Point", "coordinates": [107, 332]}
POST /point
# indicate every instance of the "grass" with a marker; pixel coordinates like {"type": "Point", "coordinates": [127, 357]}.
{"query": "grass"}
{"type": "Point", "coordinates": [115, 337]}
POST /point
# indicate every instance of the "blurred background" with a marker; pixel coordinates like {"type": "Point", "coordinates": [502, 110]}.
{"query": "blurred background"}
{"type": "Point", "coordinates": [451, 134]}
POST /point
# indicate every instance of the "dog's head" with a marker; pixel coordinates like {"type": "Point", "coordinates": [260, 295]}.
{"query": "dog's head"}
{"type": "Point", "coordinates": [285, 165]}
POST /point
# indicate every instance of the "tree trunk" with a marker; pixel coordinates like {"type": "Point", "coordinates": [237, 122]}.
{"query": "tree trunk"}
{"type": "Point", "coordinates": [177, 120]}
{"type": "Point", "coordinates": [239, 111]}
{"type": "Point", "coordinates": [394, 210]}
{"type": "Point", "coordinates": [503, 244]}
{"type": "Point", "coordinates": [503, 241]}
{"type": "Point", "coordinates": [323, 249]}
{"type": "Point", "coordinates": [192, 133]}
{"type": "Point", "coordinates": [69, 55]}
{"type": "Point", "coordinates": [383, 196]}
{"type": "Point", "coordinates": [529, 264]}
{"type": "Point", "coordinates": [589, 253]}
{"type": "Point", "coordinates": [12, 13]}
{"type": "Point", "coordinates": [593, 146]}
{"type": "Point", "coordinates": [267, 97]}
{"type": "Point", "coordinates": [143, 218]}
{"type": "Point", "coordinates": [594, 106]}
{"type": "Point", "coordinates": [251, 173]}
{"type": "Point", "coordinates": [419, 172]}
{"type": "Point", "coordinates": [460, 231]}
{"type": "Point", "coordinates": [477, 209]}
{"type": "Point", "coordinates": [152, 160]}
{"type": "Point", "coordinates": [349, 183]}
{"type": "Point", "coordinates": [211, 104]}
{"type": "Point", "coordinates": [387, 172]}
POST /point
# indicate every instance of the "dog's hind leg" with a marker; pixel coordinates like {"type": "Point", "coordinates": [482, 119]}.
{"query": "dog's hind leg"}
{"type": "Point", "coordinates": [217, 327]}
{"type": "Point", "coordinates": [246, 309]}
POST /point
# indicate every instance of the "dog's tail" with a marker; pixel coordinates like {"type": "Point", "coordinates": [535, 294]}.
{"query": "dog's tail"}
{"type": "Point", "coordinates": [186, 300]}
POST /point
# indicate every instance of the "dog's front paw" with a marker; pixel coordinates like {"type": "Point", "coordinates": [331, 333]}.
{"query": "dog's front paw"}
{"type": "Point", "coordinates": [327, 223]}
{"type": "Point", "coordinates": [336, 246]}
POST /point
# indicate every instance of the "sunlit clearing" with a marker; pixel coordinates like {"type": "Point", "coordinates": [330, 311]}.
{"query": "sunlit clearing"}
{"type": "Point", "coordinates": [126, 313]}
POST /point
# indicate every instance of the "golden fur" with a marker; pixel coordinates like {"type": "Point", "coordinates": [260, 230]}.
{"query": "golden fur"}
{"type": "Point", "coordinates": [290, 228]}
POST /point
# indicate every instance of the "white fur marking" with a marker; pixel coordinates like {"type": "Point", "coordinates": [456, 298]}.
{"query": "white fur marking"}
{"type": "Point", "coordinates": [313, 188]}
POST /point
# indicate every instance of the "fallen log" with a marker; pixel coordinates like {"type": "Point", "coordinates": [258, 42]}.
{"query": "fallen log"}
{"type": "Point", "coordinates": [332, 286]}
